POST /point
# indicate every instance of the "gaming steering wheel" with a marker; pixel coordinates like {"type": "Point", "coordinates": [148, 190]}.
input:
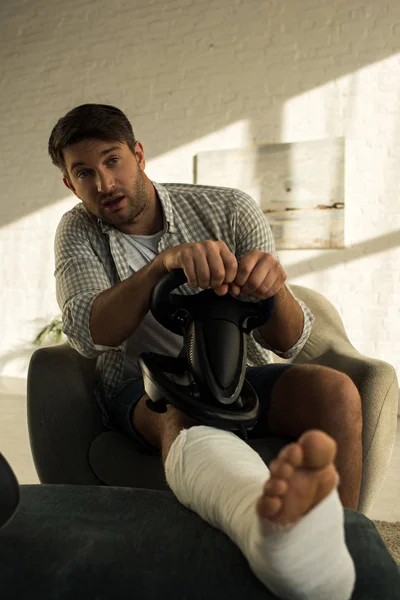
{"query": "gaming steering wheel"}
{"type": "Point", "coordinates": [207, 380]}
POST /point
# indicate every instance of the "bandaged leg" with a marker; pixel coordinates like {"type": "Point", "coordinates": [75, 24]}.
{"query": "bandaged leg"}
{"type": "Point", "coordinates": [220, 477]}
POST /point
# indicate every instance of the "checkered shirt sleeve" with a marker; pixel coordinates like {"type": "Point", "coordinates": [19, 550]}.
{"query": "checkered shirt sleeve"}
{"type": "Point", "coordinates": [80, 277]}
{"type": "Point", "coordinates": [254, 232]}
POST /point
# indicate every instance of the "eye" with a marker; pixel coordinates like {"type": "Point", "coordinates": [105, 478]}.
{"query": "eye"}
{"type": "Point", "coordinates": [82, 174]}
{"type": "Point", "coordinates": [113, 160]}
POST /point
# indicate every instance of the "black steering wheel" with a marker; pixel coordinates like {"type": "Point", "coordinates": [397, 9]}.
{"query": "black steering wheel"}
{"type": "Point", "coordinates": [169, 308]}
{"type": "Point", "coordinates": [207, 381]}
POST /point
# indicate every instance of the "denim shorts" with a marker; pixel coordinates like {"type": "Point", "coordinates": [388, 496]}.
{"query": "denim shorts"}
{"type": "Point", "coordinates": [261, 378]}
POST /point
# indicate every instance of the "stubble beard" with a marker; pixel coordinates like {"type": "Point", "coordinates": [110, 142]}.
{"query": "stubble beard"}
{"type": "Point", "coordinates": [137, 200]}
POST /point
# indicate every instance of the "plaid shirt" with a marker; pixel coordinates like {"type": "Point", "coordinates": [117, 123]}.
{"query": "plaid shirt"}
{"type": "Point", "coordinates": [90, 257]}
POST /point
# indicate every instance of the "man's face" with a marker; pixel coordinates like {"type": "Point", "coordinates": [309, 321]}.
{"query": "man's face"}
{"type": "Point", "coordinates": [109, 180]}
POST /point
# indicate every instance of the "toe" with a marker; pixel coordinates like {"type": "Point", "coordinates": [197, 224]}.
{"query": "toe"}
{"type": "Point", "coordinates": [280, 469]}
{"type": "Point", "coordinates": [268, 507]}
{"type": "Point", "coordinates": [319, 449]}
{"type": "Point", "coordinates": [292, 454]}
{"type": "Point", "coordinates": [275, 487]}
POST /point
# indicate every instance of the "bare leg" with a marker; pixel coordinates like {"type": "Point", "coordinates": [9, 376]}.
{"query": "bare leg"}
{"type": "Point", "coordinates": [296, 464]}
{"type": "Point", "coordinates": [304, 398]}
{"type": "Point", "coordinates": [160, 429]}
{"type": "Point", "coordinates": [312, 397]}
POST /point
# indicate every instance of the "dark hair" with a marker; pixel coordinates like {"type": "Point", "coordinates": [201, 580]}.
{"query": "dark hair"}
{"type": "Point", "coordinates": [99, 121]}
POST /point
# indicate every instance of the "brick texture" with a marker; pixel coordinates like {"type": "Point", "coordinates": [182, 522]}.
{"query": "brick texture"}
{"type": "Point", "coordinates": [196, 76]}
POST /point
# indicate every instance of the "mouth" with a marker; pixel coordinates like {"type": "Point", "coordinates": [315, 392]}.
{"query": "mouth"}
{"type": "Point", "coordinates": [114, 203]}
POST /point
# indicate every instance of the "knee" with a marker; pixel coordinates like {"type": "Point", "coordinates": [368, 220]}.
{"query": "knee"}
{"type": "Point", "coordinates": [341, 401]}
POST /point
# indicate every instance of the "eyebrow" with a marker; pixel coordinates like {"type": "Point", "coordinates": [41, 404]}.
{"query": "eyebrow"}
{"type": "Point", "coordinates": [102, 153]}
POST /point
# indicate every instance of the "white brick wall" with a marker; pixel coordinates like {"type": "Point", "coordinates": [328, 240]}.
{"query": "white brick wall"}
{"type": "Point", "coordinates": [196, 76]}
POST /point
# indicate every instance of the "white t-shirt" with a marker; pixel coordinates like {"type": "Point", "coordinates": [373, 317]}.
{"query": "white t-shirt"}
{"type": "Point", "coordinates": [150, 336]}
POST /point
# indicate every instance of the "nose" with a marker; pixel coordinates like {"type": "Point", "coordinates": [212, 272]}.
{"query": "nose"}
{"type": "Point", "coordinates": [104, 182]}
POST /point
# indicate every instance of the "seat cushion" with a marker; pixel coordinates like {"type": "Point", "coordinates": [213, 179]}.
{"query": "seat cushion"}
{"type": "Point", "coordinates": [117, 461]}
{"type": "Point", "coordinates": [81, 542]}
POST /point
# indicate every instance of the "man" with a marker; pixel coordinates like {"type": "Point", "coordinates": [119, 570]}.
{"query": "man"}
{"type": "Point", "coordinates": [111, 250]}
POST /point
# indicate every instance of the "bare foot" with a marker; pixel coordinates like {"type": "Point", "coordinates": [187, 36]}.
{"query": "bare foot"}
{"type": "Point", "coordinates": [302, 475]}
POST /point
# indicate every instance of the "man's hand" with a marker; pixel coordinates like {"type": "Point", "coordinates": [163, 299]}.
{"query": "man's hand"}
{"type": "Point", "coordinates": [207, 264]}
{"type": "Point", "coordinates": [259, 276]}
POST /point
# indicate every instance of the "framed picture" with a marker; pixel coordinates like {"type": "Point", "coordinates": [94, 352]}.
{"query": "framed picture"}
{"type": "Point", "coordinates": [298, 186]}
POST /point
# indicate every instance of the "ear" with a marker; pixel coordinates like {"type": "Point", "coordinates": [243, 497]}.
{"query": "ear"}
{"type": "Point", "coordinates": [69, 185]}
{"type": "Point", "coordinates": [139, 153]}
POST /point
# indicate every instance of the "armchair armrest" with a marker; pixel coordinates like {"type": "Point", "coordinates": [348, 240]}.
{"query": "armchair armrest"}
{"type": "Point", "coordinates": [375, 380]}
{"type": "Point", "coordinates": [60, 439]}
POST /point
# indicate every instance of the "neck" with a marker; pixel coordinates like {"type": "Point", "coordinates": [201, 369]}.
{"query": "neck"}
{"type": "Point", "coordinates": [151, 219]}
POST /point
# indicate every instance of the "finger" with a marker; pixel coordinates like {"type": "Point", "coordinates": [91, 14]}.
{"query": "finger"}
{"type": "Point", "coordinates": [274, 289]}
{"type": "Point", "coordinates": [190, 271]}
{"type": "Point", "coordinates": [273, 283]}
{"type": "Point", "coordinates": [261, 276]}
{"type": "Point", "coordinates": [195, 265]}
{"type": "Point", "coordinates": [222, 289]}
{"type": "Point", "coordinates": [264, 291]}
{"type": "Point", "coordinates": [203, 273]}
{"type": "Point", "coordinates": [245, 267]}
{"type": "Point", "coordinates": [216, 266]}
{"type": "Point", "coordinates": [230, 264]}
{"type": "Point", "coordinates": [235, 289]}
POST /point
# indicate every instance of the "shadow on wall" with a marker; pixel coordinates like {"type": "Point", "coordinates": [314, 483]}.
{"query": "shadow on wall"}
{"type": "Point", "coordinates": [331, 259]}
{"type": "Point", "coordinates": [180, 72]}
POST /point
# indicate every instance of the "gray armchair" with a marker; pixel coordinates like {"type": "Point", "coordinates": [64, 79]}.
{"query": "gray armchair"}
{"type": "Point", "coordinates": [70, 444]}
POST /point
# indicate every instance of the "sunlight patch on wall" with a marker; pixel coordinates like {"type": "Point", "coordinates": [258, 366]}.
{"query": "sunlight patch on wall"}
{"type": "Point", "coordinates": [27, 294]}
{"type": "Point", "coordinates": [344, 106]}
{"type": "Point", "coordinates": [177, 165]}
{"type": "Point", "coordinates": [361, 280]}
{"type": "Point", "coordinates": [363, 108]}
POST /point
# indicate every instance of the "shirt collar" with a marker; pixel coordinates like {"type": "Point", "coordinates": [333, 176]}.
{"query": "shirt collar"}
{"type": "Point", "coordinates": [166, 204]}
